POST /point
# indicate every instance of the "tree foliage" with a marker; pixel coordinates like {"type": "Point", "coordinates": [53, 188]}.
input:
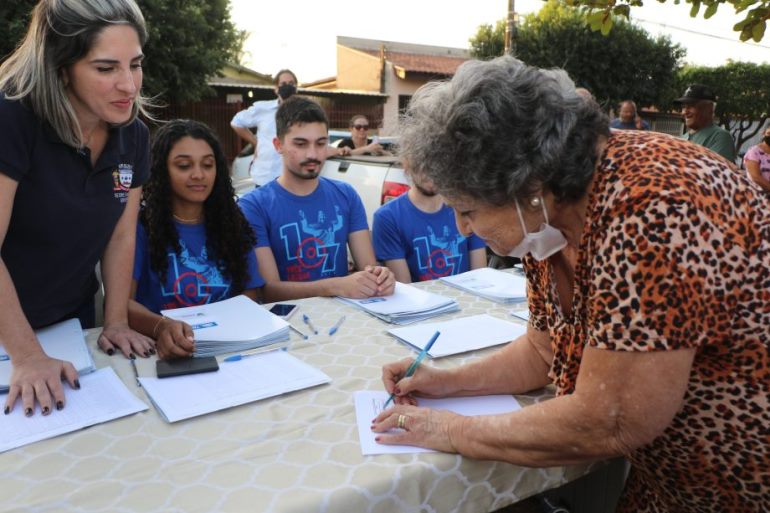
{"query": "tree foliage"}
{"type": "Point", "coordinates": [190, 41]}
{"type": "Point", "coordinates": [625, 64]}
{"type": "Point", "coordinates": [601, 14]}
{"type": "Point", "coordinates": [743, 95]}
{"type": "Point", "coordinates": [489, 41]}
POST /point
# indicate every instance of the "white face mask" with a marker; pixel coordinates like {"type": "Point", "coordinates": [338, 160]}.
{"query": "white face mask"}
{"type": "Point", "coordinates": [540, 244]}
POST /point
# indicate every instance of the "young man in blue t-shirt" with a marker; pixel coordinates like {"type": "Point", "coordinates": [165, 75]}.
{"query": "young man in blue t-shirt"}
{"type": "Point", "coordinates": [416, 236]}
{"type": "Point", "coordinates": [304, 223]}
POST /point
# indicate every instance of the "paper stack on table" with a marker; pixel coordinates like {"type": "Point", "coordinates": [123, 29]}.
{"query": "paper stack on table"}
{"type": "Point", "coordinates": [498, 286]}
{"type": "Point", "coordinates": [460, 335]}
{"type": "Point", "coordinates": [64, 341]}
{"type": "Point", "coordinates": [240, 382]}
{"type": "Point", "coordinates": [407, 304]}
{"type": "Point", "coordinates": [235, 324]}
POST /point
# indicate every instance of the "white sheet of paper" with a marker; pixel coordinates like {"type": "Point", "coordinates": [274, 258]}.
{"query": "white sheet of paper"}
{"type": "Point", "coordinates": [460, 335]}
{"type": "Point", "coordinates": [490, 283]}
{"type": "Point", "coordinates": [369, 404]}
{"type": "Point", "coordinates": [235, 319]}
{"type": "Point", "coordinates": [521, 314]}
{"type": "Point", "coordinates": [102, 397]}
{"type": "Point", "coordinates": [405, 298]}
{"type": "Point", "coordinates": [64, 341]}
{"type": "Point", "coordinates": [235, 383]}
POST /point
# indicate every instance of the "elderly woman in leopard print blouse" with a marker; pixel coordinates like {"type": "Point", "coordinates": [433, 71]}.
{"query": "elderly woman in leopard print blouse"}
{"type": "Point", "coordinates": [648, 264]}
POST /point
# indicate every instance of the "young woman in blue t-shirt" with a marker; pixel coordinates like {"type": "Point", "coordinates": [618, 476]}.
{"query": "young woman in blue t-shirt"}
{"type": "Point", "coordinates": [193, 244]}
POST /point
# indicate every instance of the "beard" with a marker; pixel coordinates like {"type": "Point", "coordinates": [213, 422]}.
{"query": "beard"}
{"type": "Point", "coordinates": [307, 175]}
{"type": "Point", "coordinates": [425, 192]}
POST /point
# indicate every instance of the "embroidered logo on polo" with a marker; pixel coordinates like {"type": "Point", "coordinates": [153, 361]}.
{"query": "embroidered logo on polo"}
{"type": "Point", "coordinates": [438, 255]}
{"type": "Point", "coordinates": [311, 245]}
{"type": "Point", "coordinates": [122, 178]}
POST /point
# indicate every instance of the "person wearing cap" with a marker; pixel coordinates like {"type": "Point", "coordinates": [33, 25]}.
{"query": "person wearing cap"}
{"type": "Point", "coordinates": [698, 105]}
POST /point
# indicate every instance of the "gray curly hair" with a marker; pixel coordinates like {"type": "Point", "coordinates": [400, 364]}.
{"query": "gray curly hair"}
{"type": "Point", "coordinates": [501, 130]}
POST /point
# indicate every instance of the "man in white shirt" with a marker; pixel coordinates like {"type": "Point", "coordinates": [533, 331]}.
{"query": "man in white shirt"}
{"type": "Point", "coordinates": [267, 164]}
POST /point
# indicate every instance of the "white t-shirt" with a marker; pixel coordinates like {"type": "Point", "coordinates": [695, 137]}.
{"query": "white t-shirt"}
{"type": "Point", "coordinates": [267, 165]}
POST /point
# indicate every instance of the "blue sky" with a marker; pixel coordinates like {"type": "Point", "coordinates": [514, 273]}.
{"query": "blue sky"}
{"type": "Point", "coordinates": [301, 34]}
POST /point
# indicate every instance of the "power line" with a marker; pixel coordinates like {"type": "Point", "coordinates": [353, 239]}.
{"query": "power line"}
{"type": "Point", "coordinates": [706, 34]}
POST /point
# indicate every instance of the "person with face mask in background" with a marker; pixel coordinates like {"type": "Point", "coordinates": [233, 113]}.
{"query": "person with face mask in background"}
{"type": "Point", "coordinates": [757, 161]}
{"type": "Point", "coordinates": [647, 261]}
{"type": "Point", "coordinates": [266, 164]}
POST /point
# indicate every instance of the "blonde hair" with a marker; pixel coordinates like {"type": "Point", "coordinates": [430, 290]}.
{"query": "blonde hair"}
{"type": "Point", "coordinates": [60, 33]}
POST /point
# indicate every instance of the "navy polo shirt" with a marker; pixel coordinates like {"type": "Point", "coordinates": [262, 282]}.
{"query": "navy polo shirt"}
{"type": "Point", "coordinates": [65, 209]}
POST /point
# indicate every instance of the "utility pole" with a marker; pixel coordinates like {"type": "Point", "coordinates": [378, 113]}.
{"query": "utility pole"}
{"type": "Point", "coordinates": [510, 29]}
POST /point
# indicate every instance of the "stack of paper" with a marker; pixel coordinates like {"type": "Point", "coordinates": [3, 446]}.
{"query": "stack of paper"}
{"type": "Point", "coordinates": [235, 324]}
{"type": "Point", "coordinates": [102, 397]}
{"type": "Point", "coordinates": [407, 304]}
{"type": "Point", "coordinates": [64, 341]}
{"type": "Point", "coordinates": [250, 379]}
{"type": "Point", "coordinates": [491, 284]}
{"type": "Point", "coordinates": [460, 335]}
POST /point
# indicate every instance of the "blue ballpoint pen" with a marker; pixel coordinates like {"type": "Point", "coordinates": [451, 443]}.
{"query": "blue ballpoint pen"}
{"type": "Point", "coordinates": [306, 319]}
{"type": "Point", "coordinates": [336, 326]}
{"type": "Point", "coordinates": [258, 350]}
{"type": "Point", "coordinates": [415, 363]}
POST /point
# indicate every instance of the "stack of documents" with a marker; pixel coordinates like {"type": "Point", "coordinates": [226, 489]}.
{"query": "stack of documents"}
{"type": "Point", "coordinates": [407, 304]}
{"type": "Point", "coordinates": [64, 341]}
{"type": "Point", "coordinates": [460, 335]}
{"type": "Point", "coordinates": [498, 286]}
{"type": "Point", "coordinates": [250, 379]}
{"type": "Point", "coordinates": [235, 324]}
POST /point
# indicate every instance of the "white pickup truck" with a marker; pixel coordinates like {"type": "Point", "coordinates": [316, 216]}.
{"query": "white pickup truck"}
{"type": "Point", "coordinates": [376, 179]}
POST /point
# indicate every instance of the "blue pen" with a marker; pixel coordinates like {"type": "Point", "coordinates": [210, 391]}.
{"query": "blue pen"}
{"type": "Point", "coordinates": [304, 337]}
{"type": "Point", "coordinates": [306, 319]}
{"type": "Point", "coordinates": [415, 363]}
{"type": "Point", "coordinates": [258, 350]}
{"type": "Point", "coordinates": [336, 326]}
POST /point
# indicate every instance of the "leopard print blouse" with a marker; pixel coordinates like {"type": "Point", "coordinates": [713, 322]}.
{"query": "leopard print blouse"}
{"type": "Point", "coordinates": [676, 254]}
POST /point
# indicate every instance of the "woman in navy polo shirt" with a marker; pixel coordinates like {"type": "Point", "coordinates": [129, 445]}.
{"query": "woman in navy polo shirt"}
{"type": "Point", "coordinates": [193, 244]}
{"type": "Point", "coordinates": [73, 158]}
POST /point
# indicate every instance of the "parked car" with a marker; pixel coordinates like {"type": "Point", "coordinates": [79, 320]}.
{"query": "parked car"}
{"type": "Point", "coordinates": [376, 179]}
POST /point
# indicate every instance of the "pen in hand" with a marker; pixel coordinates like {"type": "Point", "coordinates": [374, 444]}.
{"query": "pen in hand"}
{"type": "Point", "coordinates": [410, 371]}
{"type": "Point", "coordinates": [306, 319]}
{"type": "Point", "coordinates": [336, 326]}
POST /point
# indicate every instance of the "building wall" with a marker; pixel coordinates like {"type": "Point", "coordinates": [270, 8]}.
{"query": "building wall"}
{"type": "Point", "coordinates": [357, 71]}
{"type": "Point", "coordinates": [396, 88]}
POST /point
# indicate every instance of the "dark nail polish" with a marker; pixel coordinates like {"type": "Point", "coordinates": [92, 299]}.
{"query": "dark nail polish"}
{"type": "Point", "coordinates": [132, 356]}
{"type": "Point", "coordinates": [7, 410]}
{"type": "Point", "coordinates": [59, 405]}
{"type": "Point", "coordinates": [46, 410]}
{"type": "Point", "coordinates": [146, 354]}
{"type": "Point", "coordinates": [377, 439]}
{"type": "Point", "coordinates": [397, 391]}
{"type": "Point", "coordinates": [28, 412]}
{"type": "Point", "coordinates": [152, 351]}
{"type": "Point", "coordinates": [77, 384]}
{"type": "Point", "coordinates": [110, 351]}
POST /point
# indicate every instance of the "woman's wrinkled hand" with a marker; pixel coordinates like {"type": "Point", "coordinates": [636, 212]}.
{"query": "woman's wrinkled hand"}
{"type": "Point", "coordinates": [420, 427]}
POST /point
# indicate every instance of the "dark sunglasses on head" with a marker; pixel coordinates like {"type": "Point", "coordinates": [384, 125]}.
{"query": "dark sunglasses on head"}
{"type": "Point", "coordinates": [361, 127]}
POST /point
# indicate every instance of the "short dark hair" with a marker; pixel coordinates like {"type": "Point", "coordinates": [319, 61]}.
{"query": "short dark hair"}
{"type": "Point", "coordinates": [298, 110]}
{"type": "Point", "coordinates": [290, 72]}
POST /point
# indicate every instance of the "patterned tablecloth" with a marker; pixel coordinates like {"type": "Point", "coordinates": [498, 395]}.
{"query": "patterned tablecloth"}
{"type": "Point", "coordinates": [294, 453]}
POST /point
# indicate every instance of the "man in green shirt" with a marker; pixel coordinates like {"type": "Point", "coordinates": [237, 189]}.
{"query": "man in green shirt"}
{"type": "Point", "coordinates": [698, 105]}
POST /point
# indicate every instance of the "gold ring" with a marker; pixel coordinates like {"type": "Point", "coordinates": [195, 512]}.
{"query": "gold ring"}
{"type": "Point", "coordinates": [401, 422]}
